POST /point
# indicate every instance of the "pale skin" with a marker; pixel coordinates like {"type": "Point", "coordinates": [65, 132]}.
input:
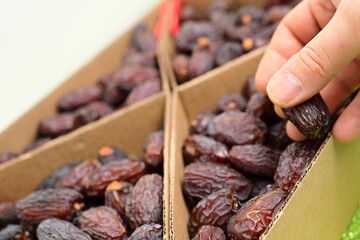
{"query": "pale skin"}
{"type": "Point", "coordinates": [316, 49]}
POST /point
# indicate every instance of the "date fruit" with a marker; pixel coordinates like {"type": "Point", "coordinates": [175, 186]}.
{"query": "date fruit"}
{"type": "Point", "coordinates": [227, 52]}
{"type": "Point", "coordinates": [255, 159]}
{"type": "Point", "coordinates": [85, 115]}
{"type": "Point", "coordinates": [108, 154]}
{"type": "Point", "coordinates": [102, 223]}
{"type": "Point", "coordinates": [113, 95]}
{"type": "Point", "coordinates": [148, 232]}
{"type": "Point", "coordinates": [312, 117]}
{"type": "Point", "coordinates": [58, 125]}
{"type": "Point", "coordinates": [145, 203]}
{"type": "Point", "coordinates": [201, 61]}
{"type": "Point", "coordinates": [7, 156]}
{"type": "Point", "coordinates": [116, 194]}
{"type": "Point", "coordinates": [79, 98]}
{"type": "Point", "coordinates": [237, 128]}
{"type": "Point", "coordinates": [198, 148]}
{"type": "Point", "coordinates": [293, 162]}
{"type": "Point", "coordinates": [260, 106]}
{"type": "Point", "coordinates": [209, 232]}
{"type": "Point", "coordinates": [202, 179]}
{"type": "Point", "coordinates": [126, 170]}
{"type": "Point", "coordinates": [144, 90]}
{"type": "Point", "coordinates": [129, 77]}
{"type": "Point", "coordinates": [255, 215]}
{"type": "Point", "coordinates": [141, 39]}
{"type": "Point", "coordinates": [144, 59]}
{"type": "Point", "coordinates": [8, 213]}
{"type": "Point", "coordinates": [180, 65]}
{"type": "Point", "coordinates": [250, 86]}
{"type": "Point", "coordinates": [215, 210]}
{"type": "Point", "coordinates": [231, 102]}
{"type": "Point", "coordinates": [14, 232]}
{"type": "Point", "coordinates": [73, 179]}
{"type": "Point", "coordinates": [218, 6]}
{"type": "Point", "coordinates": [199, 124]}
{"type": "Point", "coordinates": [102, 108]}
{"type": "Point", "coordinates": [37, 143]}
{"type": "Point", "coordinates": [153, 151]}
{"type": "Point", "coordinates": [58, 229]}
{"type": "Point", "coordinates": [189, 13]}
{"type": "Point", "coordinates": [249, 14]}
{"type": "Point", "coordinates": [277, 136]}
{"type": "Point", "coordinates": [44, 204]}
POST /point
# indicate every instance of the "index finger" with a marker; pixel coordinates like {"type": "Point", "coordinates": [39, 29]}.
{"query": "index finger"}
{"type": "Point", "coordinates": [301, 25]}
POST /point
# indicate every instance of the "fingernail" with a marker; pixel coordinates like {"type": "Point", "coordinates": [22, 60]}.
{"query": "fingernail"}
{"type": "Point", "coordinates": [283, 87]}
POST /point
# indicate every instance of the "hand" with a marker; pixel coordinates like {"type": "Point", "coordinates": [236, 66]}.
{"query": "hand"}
{"type": "Point", "coordinates": [316, 49]}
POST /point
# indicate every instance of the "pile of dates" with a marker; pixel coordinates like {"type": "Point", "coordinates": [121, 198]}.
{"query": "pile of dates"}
{"type": "Point", "coordinates": [223, 35]}
{"type": "Point", "coordinates": [137, 79]}
{"type": "Point", "coordinates": [240, 166]}
{"type": "Point", "coordinates": [113, 197]}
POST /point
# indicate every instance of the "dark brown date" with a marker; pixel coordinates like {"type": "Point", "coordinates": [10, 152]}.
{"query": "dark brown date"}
{"type": "Point", "coordinates": [58, 125]}
{"type": "Point", "coordinates": [143, 91]}
{"type": "Point", "coordinates": [189, 13]}
{"type": "Point", "coordinates": [260, 106]}
{"type": "Point", "coordinates": [202, 179]}
{"type": "Point", "coordinates": [145, 203]}
{"type": "Point", "coordinates": [142, 40]}
{"type": "Point", "coordinates": [227, 52]}
{"type": "Point", "coordinates": [7, 156]}
{"type": "Point", "coordinates": [73, 179]}
{"type": "Point", "coordinates": [113, 95]}
{"type": "Point", "coordinates": [225, 21]}
{"type": "Point", "coordinates": [52, 180]}
{"type": "Point", "coordinates": [180, 65]}
{"type": "Point", "coordinates": [250, 87]}
{"type": "Point", "coordinates": [102, 108]}
{"type": "Point", "coordinates": [249, 14]}
{"type": "Point", "coordinates": [261, 186]}
{"type": "Point", "coordinates": [209, 232]}
{"type": "Point", "coordinates": [248, 31]}
{"type": "Point", "coordinates": [277, 136]}
{"type": "Point", "coordinates": [126, 170]}
{"type": "Point", "coordinates": [255, 159]}
{"type": "Point", "coordinates": [14, 232]}
{"type": "Point", "coordinates": [148, 232]}
{"type": "Point", "coordinates": [293, 162]}
{"type": "Point", "coordinates": [215, 210]}
{"type": "Point", "coordinates": [312, 117]}
{"type": "Point", "coordinates": [79, 98]}
{"type": "Point", "coordinates": [105, 80]}
{"type": "Point", "coordinates": [116, 194]}
{"type": "Point", "coordinates": [145, 59]}
{"type": "Point", "coordinates": [102, 223]}
{"type": "Point", "coordinates": [255, 215]}
{"type": "Point", "coordinates": [198, 148]}
{"type": "Point", "coordinates": [43, 204]}
{"type": "Point", "coordinates": [8, 213]}
{"type": "Point", "coordinates": [231, 102]}
{"type": "Point", "coordinates": [237, 128]}
{"type": "Point", "coordinates": [201, 61]}
{"type": "Point", "coordinates": [37, 143]}
{"type": "Point", "coordinates": [129, 77]}
{"type": "Point", "coordinates": [199, 124]}
{"type": "Point", "coordinates": [60, 230]}
{"type": "Point", "coordinates": [108, 154]}
{"type": "Point", "coordinates": [153, 151]}
{"type": "Point", "coordinates": [85, 115]}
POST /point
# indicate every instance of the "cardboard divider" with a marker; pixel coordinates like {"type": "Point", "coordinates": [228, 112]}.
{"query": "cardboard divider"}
{"type": "Point", "coordinates": [169, 51]}
{"type": "Point", "coordinates": [323, 201]}
{"type": "Point", "coordinates": [23, 131]}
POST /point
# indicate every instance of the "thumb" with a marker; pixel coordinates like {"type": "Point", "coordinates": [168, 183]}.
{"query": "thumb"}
{"type": "Point", "coordinates": [309, 70]}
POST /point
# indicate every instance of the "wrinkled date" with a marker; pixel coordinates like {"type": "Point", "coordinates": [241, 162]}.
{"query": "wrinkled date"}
{"type": "Point", "coordinates": [237, 128]}
{"type": "Point", "coordinates": [260, 106]}
{"type": "Point", "coordinates": [126, 170]}
{"type": "Point", "coordinates": [8, 213]}
{"type": "Point", "coordinates": [37, 143]}
{"type": "Point", "coordinates": [144, 90]}
{"type": "Point", "coordinates": [58, 125]}
{"type": "Point", "coordinates": [7, 156]}
{"type": "Point", "coordinates": [209, 232]}
{"type": "Point", "coordinates": [85, 115]}
{"type": "Point", "coordinates": [198, 148]}
{"type": "Point", "coordinates": [293, 162]}
{"type": "Point", "coordinates": [116, 195]}
{"type": "Point", "coordinates": [255, 215]}
{"type": "Point", "coordinates": [227, 52]}
{"type": "Point", "coordinates": [108, 154]}
{"type": "Point", "coordinates": [202, 179]}
{"type": "Point", "coordinates": [59, 229]}
{"type": "Point", "coordinates": [102, 223]}
{"type": "Point", "coordinates": [52, 180]}
{"type": "Point", "coordinates": [215, 210]}
{"type": "Point", "coordinates": [145, 203]}
{"type": "Point", "coordinates": [73, 179]}
{"type": "Point", "coordinates": [79, 98]}
{"type": "Point", "coordinates": [129, 77]}
{"type": "Point", "coordinates": [43, 204]}
{"type": "Point", "coordinates": [180, 65]}
{"type": "Point", "coordinates": [153, 151]}
{"type": "Point", "coordinates": [231, 102]}
{"type": "Point", "coordinates": [277, 136]}
{"type": "Point", "coordinates": [199, 124]}
{"type": "Point", "coordinates": [148, 232]}
{"type": "Point", "coordinates": [14, 232]}
{"type": "Point", "coordinates": [311, 118]}
{"type": "Point", "coordinates": [255, 159]}
{"type": "Point", "coordinates": [201, 61]}
{"type": "Point", "coordinates": [113, 95]}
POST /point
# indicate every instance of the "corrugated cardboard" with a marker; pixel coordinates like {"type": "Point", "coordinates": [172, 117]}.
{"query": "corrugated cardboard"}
{"type": "Point", "coordinates": [169, 52]}
{"type": "Point", "coordinates": [126, 128]}
{"type": "Point", "coordinates": [321, 204]}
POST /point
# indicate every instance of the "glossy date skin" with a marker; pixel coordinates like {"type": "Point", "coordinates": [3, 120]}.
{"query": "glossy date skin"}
{"type": "Point", "coordinates": [209, 232]}
{"type": "Point", "coordinates": [148, 232]}
{"type": "Point", "coordinates": [231, 102]}
{"type": "Point", "coordinates": [116, 195]}
{"type": "Point", "coordinates": [79, 98]}
{"type": "Point", "coordinates": [199, 124]}
{"type": "Point", "coordinates": [54, 228]}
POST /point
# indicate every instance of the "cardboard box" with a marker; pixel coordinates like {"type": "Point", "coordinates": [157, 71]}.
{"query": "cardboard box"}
{"type": "Point", "coordinates": [321, 204]}
{"type": "Point", "coordinates": [126, 128]}
{"type": "Point", "coordinates": [169, 52]}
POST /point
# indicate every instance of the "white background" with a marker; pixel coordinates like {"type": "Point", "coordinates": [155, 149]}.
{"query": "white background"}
{"type": "Point", "coordinates": [44, 42]}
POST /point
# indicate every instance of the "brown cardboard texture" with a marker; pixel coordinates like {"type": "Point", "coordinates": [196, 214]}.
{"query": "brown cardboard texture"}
{"type": "Point", "coordinates": [323, 201]}
{"type": "Point", "coordinates": [169, 52]}
{"type": "Point", "coordinates": [23, 131]}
